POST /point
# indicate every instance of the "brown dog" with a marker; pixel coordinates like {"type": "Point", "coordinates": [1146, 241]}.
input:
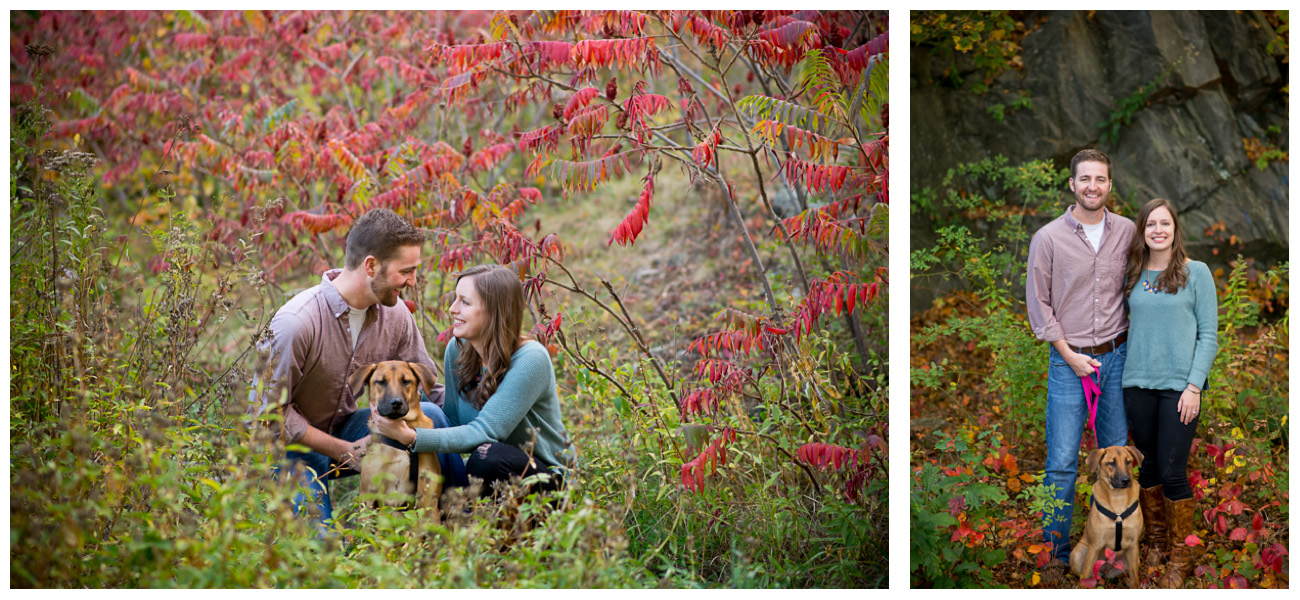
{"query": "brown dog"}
{"type": "Point", "coordinates": [394, 388]}
{"type": "Point", "coordinates": [1114, 499]}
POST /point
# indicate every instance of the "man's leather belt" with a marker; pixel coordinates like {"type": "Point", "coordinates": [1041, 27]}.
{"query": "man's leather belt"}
{"type": "Point", "coordinates": [1106, 346]}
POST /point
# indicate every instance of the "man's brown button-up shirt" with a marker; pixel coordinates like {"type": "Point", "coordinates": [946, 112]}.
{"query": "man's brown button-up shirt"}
{"type": "Point", "coordinates": [1072, 291]}
{"type": "Point", "coordinates": [311, 356]}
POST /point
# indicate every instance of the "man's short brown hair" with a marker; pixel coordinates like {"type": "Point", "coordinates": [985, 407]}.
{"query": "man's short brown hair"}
{"type": "Point", "coordinates": [379, 233]}
{"type": "Point", "coordinates": [1089, 155]}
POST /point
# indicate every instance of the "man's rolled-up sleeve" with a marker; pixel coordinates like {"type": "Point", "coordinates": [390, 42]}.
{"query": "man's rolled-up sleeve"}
{"type": "Point", "coordinates": [1038, 291]}
{"type": "Point", "coordinates": [285, 352]}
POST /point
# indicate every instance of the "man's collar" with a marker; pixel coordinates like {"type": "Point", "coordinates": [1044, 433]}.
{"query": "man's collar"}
{"type": "Point", "coordinates": [338, 306]}
{"type": "Point", "coordinates": [1074, 223]}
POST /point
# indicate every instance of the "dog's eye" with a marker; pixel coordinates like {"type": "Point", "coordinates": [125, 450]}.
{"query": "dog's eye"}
{"type": "Point", "coordinates": [380, 381]}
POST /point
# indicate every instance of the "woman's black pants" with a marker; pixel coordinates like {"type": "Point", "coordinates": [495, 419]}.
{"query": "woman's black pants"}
{"type": "Point", "coordinates": [1163, 439]}
{"type": "Point", "coordinates": [495, 461]}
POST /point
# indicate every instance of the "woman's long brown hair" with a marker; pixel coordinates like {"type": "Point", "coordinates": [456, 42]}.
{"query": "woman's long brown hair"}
{"type": "Point", "coordinates": [502, 295]}
{"type": "Point", "coordinates": [1174, 277]}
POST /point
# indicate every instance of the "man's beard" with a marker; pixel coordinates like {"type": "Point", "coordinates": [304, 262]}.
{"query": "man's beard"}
{"type": "Point", "coordinates": [387, 297]}
{"type": "Point", "coordinates": [1084, 201]}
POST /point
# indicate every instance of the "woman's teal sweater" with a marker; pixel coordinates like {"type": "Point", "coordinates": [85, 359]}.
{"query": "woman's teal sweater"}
{"type": "Point", "coordinates": [525, 403]}
{"type": "Point", "coordinates": [1172, 338]}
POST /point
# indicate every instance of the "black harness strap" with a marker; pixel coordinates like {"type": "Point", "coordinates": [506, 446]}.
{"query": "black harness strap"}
{"type": "Point", "coordinates": [415, 462]}
{"type": "Point", "coordinates": [1119, 519]}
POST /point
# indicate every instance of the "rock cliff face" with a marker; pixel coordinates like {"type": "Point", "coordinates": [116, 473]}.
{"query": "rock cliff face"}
{"type": "Point", "coordinates": [1221, 86]}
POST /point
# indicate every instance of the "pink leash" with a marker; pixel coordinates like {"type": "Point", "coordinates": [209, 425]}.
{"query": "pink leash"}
{"type": "Point", "coordinates": [1092, 394]}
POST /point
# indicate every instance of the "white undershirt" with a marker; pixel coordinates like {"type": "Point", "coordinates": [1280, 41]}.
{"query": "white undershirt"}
{"type": "Point", "coordinates": [1094, 233]}
{"type": "Point", "coordinates": [356, 317]}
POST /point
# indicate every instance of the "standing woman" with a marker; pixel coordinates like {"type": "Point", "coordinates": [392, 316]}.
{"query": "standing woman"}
{"type": "Point", "coordinates": [1173, 329]}
{"type": "Point", "coordinates": [500, 389]}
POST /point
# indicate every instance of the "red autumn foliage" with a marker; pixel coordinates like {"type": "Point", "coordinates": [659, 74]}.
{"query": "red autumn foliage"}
{"type": "Point", "coordinates": [714, 455]}
{"type": "Point", "coordinates": [631, 226]}
{"type": "Point", "coordinates": [638, 53]}
{"type": "Point", "coordinates": [544, 331]}
{"type": "Point", "coordinates": [706, 151]}
{"type": "Point", "coordinates": [316, 224]}
{"type": "Point", "coordinates": [389, 91]}
{"type": "Point", "coordinates": [489, 157]}
{"type": "Point", "coordinates": [546, 139]}
{"type": "Point", "coordinates": [578, 100]}
{"type": "Point", "coordinates": [837, 293]}
{"type": "Point", "coordinates": [818, 178]}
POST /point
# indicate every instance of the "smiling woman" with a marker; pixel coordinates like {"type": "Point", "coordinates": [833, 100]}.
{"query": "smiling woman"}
{"type": "Point", "coordinates": [500, 389]}
{"type": "Point", "coordinates": [1173, 324]}
{"type": "Point", "coordinates": [469, 321]}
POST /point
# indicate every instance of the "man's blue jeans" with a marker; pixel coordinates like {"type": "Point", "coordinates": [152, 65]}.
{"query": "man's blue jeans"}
{"type": "Point", "coordinates": [356, 427]}
{"type": "Point", "coordinates": [1067, 416]}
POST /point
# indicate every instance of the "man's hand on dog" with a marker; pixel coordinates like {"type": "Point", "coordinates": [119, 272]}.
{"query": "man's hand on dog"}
{"type": "Point", "coordinates": [395, 429]}
{"type": "Point", "coordinates": [351, 457]}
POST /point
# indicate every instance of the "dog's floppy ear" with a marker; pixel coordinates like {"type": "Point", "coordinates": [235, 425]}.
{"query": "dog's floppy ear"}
{"type": "Point", "coordinates": [1137, 454]}
{"type": "Point", "coordinates": [1094, 457]}
{"type": "Point", "coordinates": [357, 381]}
{"type": "Point", "coordinates": [427, 378]}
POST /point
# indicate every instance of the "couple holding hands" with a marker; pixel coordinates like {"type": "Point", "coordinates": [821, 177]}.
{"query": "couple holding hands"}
{"type": "Point", "coordinates": [1120, 302]}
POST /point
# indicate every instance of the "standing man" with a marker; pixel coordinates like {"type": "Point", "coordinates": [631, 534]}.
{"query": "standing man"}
{"type": "Point", "coordinates": [1075, 297]}
{"type": "Point", "coordinates": [324, 334]}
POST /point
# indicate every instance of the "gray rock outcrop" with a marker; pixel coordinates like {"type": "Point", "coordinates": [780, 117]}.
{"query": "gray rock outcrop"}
{"type": "Point", "coordinates": [1221, 86]}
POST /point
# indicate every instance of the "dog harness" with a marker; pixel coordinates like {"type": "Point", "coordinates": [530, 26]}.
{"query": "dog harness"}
{"type": "Point", "coordinates": [392, 443]}
{"type": "Point", "coordinates": [1119, 519]}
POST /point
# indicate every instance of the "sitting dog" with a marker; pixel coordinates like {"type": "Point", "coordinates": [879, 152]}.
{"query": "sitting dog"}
{"type": "Point", "coordinates": [1114, 520]}
{"type": "Point", "coordinates": [388, 469]}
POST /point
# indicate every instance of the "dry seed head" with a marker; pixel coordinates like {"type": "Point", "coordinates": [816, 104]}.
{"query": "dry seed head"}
{"type": "Point", "coordinates": [38, 52]}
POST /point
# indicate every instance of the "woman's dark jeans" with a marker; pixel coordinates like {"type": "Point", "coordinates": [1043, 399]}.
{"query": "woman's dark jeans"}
{"type": "Point", "coordinates": [1163, 439]}
{"type": "Point", "coordinates": [496, 461]}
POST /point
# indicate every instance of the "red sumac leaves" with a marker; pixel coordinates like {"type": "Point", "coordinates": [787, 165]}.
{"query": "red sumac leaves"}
{"type": "Point", "coordinates": [627, 231]}
{"type": "Point", "coordinates": [695, 470]}
{"type": "Point", "coordinates": [644, 105]}
{"type": "Point", "coordinates": [578, 100]}
{"type": "Point", "coordinates": [827, 456]}
{"type": "Point", "coordinates": [836, 294]}
{"type": "Point", "coordinates": [818, 178]}
{"type": "Point", "coordinates": [705, 152]}
{"type": "Point", "coordinates": [638, 53]}
{"type": "Point", "coordinates": [545, 139]}
{"type": "Point", "coordinates": [461, 58]}
{"type": "Point", "coordinates": [314, 223]}
{"type": "Point", "coordinates": [547, 53]}
{"type": "Point", "coordinates": [489, 157]}
{"type": "Point", "coordinates": [544, 331]}
{"type": "Point", "coordinates": [792, 35]}
{"type": "Point", "coordinates": [701, 401]}
{"type": "Point", "coordinates": [583, 175]}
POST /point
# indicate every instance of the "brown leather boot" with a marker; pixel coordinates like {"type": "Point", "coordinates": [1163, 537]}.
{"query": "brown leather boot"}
{"type": "Point", "coordinates": [1153, 521]}
{"type": "Point", "coordinates": [1182, 518]}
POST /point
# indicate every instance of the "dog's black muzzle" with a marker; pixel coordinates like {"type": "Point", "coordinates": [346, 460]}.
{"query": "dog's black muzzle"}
{"type": "Point", "coordinates": [1121, 482]}
{"type": "Point", "coordinates": [393, 408]}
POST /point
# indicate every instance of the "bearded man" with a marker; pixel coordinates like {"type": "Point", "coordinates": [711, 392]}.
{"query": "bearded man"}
{"type": "Point", "coordinates": [1075, 298]}
{"type": "Point", "coordinates": [353, 318]}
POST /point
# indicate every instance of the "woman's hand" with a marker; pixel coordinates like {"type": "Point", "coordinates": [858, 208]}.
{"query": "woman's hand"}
{"type": "Point", "coordinates": [396, 429]}
{"type": "Point", "coordinates": [1189, 404]}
